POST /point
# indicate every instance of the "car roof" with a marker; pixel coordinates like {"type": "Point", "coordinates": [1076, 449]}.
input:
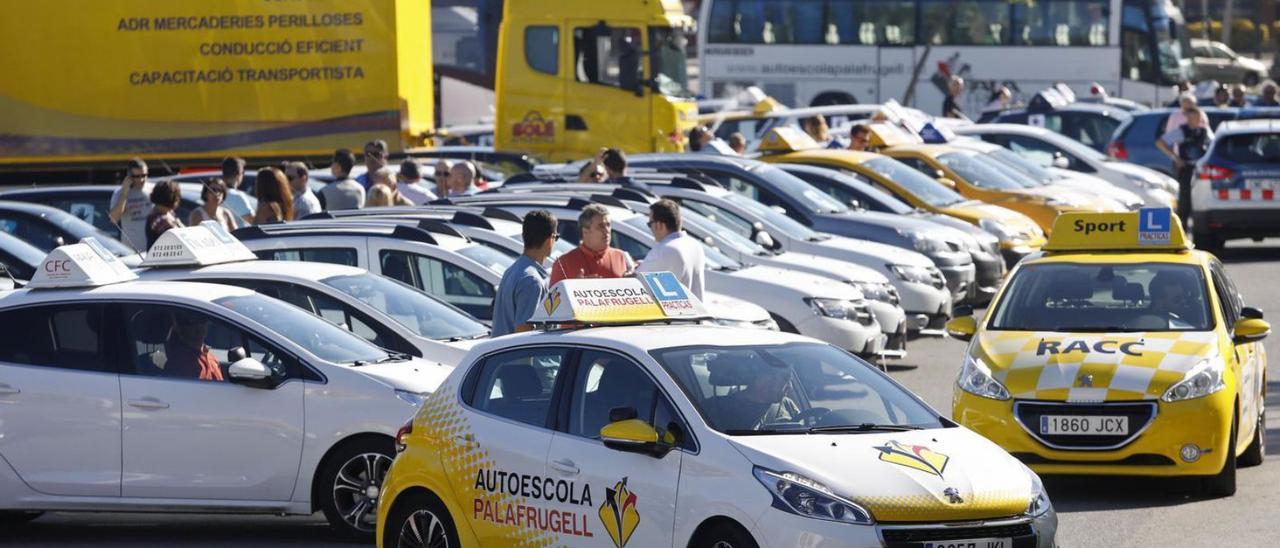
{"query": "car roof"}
{"type": "Point", "coordinates": [1021, 129]}
{"type": "Point", "coordinates": [33, 209]}
{"type": "Point", "coordinates": [1236, 127]}
{"type": "Point", "coordinates": [646, 337]}
{"type": "Point", "coordinates": [1077, 106]}
{"type": "Point", "coordinates": [172, 291]}
{"type": "Point", "coordinates": [377, 228]}
{"type": "Point", "coordinates": [841, 156]}
{"type": "Point", "coordinates": [694, 159]}
{"type": "Point", "coordinates": [190, 191]}
{"type": "Point", "coordinates": [313, 271]}
{"type": "Point", "coordinates": [929, 150]}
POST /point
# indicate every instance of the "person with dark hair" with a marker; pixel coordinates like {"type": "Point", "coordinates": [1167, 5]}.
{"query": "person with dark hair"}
{"type": "Point", "coordinates": [859, 137]}
{"type": "Point", "coordinates": [676, 251]}
{"type": "Point", "coordinates": [524, 284]}
{"type": "Point", "coordinates": [593, 258]}
{"type": "Point", "coordinates": [1239, 98]}
{"type": "Point", "coordinates": [1222, 96]}
{"type": "Point", "coordinates": [129, 205]}
{"type": "Point", "coordinates": [1267, 98]}
{"type": "Point", "coordinates": [440, 173]}
{"type": "Point", "coordinates": [699, 136]}
{"type": "Point", "coordinates": [275, 200]}
{"type": "Point", "coordinates": [375, 158]}
{"type": "Point", "coordinates": [213, 193]}
{"type": "Point", "coordinates": [591, 172]}
{"type": "Point", "coordinates": [165, 196]}
{"type": "Point", "coordinates": [996, 103]}
{"type": "Point", "coordinates": [343, 192]}
{"type": "Point", "coordinates": [237, 200]}
{"type": "Point", "coordinates": [305, 201]}
{"type": "Point", "coordinates": [409, 183]}
{"type": "Point", "coordinates": [615, 167]}
{"type": "Point", "coordinates": [951, 103]}
{"type": "Point", "coordinates": [186, 354]}
{"type": "Point", "coordinates": [1185, 145]}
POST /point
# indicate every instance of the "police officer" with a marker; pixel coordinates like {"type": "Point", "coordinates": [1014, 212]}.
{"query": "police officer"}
{"type": "Point", "coordinates": [1186, 144]}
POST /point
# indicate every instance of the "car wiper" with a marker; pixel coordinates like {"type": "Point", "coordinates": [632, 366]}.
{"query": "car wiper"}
{"type": "Point", "coordinates": [393, 357]}
{"type": "Point", "coordinates": [864, 427]}
{"type": "Point", "coordinates": [761, 432]}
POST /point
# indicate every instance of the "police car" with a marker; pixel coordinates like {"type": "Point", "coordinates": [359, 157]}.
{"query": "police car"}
{"type": "Point", "coordinates": [1233, 192]}
{"type": "Point", "coordinates": [139, 396]}
{"type": "Point", "coordinates": [620, 424]}
{"type": "Point", "coordinates": [1121, 350]}
{"type": "Point", "coordinates": [387, 313]}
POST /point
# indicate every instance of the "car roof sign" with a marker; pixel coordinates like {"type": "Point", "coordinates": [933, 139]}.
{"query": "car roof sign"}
{"type": "Point", "coordinates": [1147, 229]}
{"type": "Point", "coordinates": [887, 135]}
{"type": "Point", "coordinates": [647, 297]}
{"type": "Point", "coordinates": [935, 134]}
{"type": "Point", "coordinates": [786, 139]}
{"type": "Point", "coordinates": [85, 264]}
{"type": "Point", "coordinates": [203, 245]}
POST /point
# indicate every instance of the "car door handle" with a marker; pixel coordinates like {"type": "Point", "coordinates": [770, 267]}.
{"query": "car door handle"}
{"type": "Point", "coordinates": [6, 390]}
{"type": "Point", "coordinates": [148, 403]}
{"type": "Point", "coordinates": [467, 441]}
{"type": "Point", "coordinates": [565, 466]}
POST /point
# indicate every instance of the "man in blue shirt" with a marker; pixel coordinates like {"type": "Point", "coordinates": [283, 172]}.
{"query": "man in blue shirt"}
{"type": "Point", "coordinates": [524, 284]}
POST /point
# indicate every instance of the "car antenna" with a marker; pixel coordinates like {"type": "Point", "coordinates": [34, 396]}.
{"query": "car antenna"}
{"type": "Point", "coordinates": [16, 284]}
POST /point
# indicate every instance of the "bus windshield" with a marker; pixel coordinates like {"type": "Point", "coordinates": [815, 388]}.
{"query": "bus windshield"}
{"type": "Point", "coordinates": [667, 59]}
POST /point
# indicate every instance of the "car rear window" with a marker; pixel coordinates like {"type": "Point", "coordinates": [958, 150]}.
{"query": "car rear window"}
{"type": "Point", "coordinates": [1249, 148]}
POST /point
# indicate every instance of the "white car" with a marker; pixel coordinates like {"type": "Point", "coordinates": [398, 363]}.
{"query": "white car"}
{"type": "Point", "coordinates": [1052, 149]}
{"type": "Point", "coordinates": [1074, 182]}
{"type": "Point", "coordinates": [687, 435]}
{"type": "Point", "coordinates": [138, 396]}
{"type": "Point", "coordinates": [808, 304]}
{"type": "Point", "coordinates": [385, 312]}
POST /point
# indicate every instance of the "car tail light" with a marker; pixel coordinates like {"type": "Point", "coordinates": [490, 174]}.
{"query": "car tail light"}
{"type": "Point", "coordinates": [402, 436]}
{"type": "Point", "coordinates": [1115, 149]}
{"type": "Point", "coordinates": [1210, 172]}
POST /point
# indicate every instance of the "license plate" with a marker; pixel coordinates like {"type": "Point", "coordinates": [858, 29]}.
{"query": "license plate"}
{"type": "Point", "coordinates": [1084, 425]}
{"type": "Point", "coordinates": [972, 543]}
{"type": "Point", "coordinates": [1262, 184]}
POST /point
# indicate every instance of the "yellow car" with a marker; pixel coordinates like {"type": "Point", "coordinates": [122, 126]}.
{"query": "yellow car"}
{"type": "Point", "coordinates": [1120, 351]}
{"type": "Point", "coordinates": [970, 174]}
{"type": "Point", "coordinates": [1018, 234]}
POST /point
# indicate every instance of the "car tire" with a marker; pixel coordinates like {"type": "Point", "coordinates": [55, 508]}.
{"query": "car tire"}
{"type": "Point", "coordinates": [350, 483]}
{"type": "Point", "coordinates": [1256, 452]}
{"type": "Point", "coordinates": [1224, 483]}
{"type": "Point", "coordinates": [420, 520]}
{"type": "Point", "coordinates": [724, 535]}
{"type": "Point", "coordinates": [1251, 79]}
{"type": "Point", "coordinates": [14, 519]}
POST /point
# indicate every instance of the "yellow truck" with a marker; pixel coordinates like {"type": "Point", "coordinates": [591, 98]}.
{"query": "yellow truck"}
{"type": "Point", "coordinates": [93, 83]}
{"type": "Point", "coordinates": [611, 75]}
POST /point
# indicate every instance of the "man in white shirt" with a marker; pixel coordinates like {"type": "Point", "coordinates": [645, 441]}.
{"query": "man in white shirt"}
{"type": "Point", "coordinates": [676, 251]}
{"type": "Point", "coordinates": [305, 202]}
{"type": "Point", "coordinates": [410, 183]}
{"type": "Point", "coordinates": [130, 205]}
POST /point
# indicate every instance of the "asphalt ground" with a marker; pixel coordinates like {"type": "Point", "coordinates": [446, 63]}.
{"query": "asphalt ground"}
{"type": "Point", "coordinates": [1105, 512]}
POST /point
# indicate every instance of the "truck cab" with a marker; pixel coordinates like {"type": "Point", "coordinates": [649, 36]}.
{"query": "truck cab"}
{"type": "Point", "coordinates": [567, 86]}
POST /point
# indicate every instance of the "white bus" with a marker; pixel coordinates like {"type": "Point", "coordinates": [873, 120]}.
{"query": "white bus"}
{"type": "Point", "coordinates": [817, 52]}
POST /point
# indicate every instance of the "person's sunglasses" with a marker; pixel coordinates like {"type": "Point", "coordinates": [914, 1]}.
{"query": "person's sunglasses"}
{"type": "Point", "coordinates": [138, 175]}
{"type": "Point", "coordinates": [374, 153]}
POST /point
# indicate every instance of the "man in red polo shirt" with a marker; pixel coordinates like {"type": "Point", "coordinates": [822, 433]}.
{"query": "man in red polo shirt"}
{"type": "Point", "coordinates": [593, 258]}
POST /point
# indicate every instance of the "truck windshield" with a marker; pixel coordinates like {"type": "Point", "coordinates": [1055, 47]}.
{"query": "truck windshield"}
{"type": "Point", "coordinates": [667, 59]}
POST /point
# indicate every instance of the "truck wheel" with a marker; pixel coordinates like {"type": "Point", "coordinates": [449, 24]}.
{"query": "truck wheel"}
{"type": "Point", "coordinates": [1224, 483]}
{"type": "Point", "coordinates": [419, 520]}
{"type": "Point", "coordinates": [724, 535]}
{"type": "Point", "coordinates": [13, 519]}
{"type": "Point", "coordinates": [1257, 450]}
{"type": "Point", "coordinates": [350, 485]}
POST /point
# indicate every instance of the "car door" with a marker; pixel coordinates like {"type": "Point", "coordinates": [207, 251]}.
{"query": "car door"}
{"type": "Point", "coordinates": [92, 207]}
{"type": "Point", "coordinates": [438, 276]}
{"type": "Point", "coordinates": [1250, 357]}
{"type": "Point", "coordinates": [633, 494]}
{"type": "Point", "coordinates": [509, 398]}
{"type": "Point", "coordinates": [186, 438]}
{"type": "Point", "coordinates": [60, 398]}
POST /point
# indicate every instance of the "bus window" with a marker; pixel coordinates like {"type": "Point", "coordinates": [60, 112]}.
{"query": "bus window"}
{"type": "Point", "coordinates": [607, 56]}
{"type": "Point", "coordinates": [970, 23]}
{"type": "Point", "coordinates": [858, 22]}
{"type": "Point", "coordinates": [772, 22]}
{"type": "Point", "coordinates": [1061, 23]}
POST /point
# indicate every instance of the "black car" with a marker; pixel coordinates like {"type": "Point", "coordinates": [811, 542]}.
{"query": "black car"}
{"type": "Point", "coordinates": [45, 228]}
{"type": "Point", "coordinates": [1092, 124]}
{"type": "Point", "coordinates": [92, 203]}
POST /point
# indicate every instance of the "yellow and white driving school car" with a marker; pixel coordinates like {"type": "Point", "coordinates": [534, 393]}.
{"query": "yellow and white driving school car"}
{"type": "Point", "coordinates": [1119, 350]}
{"type": "Point", "coordinates": [622, 423]}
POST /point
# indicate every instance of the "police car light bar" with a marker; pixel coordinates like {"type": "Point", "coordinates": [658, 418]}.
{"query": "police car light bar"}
{"type": "Point", "coordinates": [203, 245]}
{"type": "Point", "coordinates": [648, 297]}
{"type": "Point", "coordinates": [1147, 229]}
{"type": "Point", "coordinates": [86, 264]}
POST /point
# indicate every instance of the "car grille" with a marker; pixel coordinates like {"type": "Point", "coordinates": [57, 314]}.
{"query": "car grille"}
{"type": "Point", "coordinates": [1140, 416]}
{"type": "Point", "coordinates": [989, 272]}
{"type": "Point", "coordinates": [907, 536]}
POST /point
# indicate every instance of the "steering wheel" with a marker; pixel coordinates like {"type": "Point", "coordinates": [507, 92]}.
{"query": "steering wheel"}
{"type": "Point", "coordinates": [815, 413]}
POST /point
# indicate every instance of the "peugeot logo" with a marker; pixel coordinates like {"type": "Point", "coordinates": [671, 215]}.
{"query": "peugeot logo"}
{"type": "Point", "coordinates": [1085, 381]}
{"type": "Point", "coordinates": [953, 495]}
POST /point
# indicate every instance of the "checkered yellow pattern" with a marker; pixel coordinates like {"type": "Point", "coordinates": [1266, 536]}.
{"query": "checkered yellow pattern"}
{"type": "Point", "coordinates": [931, 507]}
{"type": "Point", "coordinates": [443, 422]}
{"type": "Point", "coordinates": [1163, 358]}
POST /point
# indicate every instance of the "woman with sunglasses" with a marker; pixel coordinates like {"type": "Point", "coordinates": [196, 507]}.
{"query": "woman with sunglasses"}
{"type": "Point", "coordinates": [213, 194]}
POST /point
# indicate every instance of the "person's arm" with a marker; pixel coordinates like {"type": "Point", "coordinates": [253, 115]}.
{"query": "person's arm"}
{"type": "Point", "coordinates": [658, 259]}
{"type": "Point", "coordinates": [1165, 144]}
{"type": "Point", "coordinates": [527, 295]}
{"type": "Point", "coordinates": [118, 201]}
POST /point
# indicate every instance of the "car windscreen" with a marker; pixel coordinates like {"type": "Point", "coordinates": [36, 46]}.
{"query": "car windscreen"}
{"type": "Point", "coordinates": [813, 199]}
{"type": "Point", "coordinates": [323, 339]}
{"type": "Point", "coordinates": [487, 256]}
{"type": "Point", "coordinates": [978, 173]}
{"type": "Point", "coordinates": [419, 312]}
{"type": "Point", "coordinates": [1075, 297]}
{"type": "Point", "coordinates": [794, 388]}
{"type": "Point", "coordinates": [914, 182]}
{"type": "Point", "coordinates": [722, 235]}
{"type": "Point", "coordinates": [715, 259]}
{"type": "Point", "coordinates": [1249, 148]}
{"type": "Point", "coordinates": [774, 217]}
{"type": "Point", "coordinates": [1026, 167]}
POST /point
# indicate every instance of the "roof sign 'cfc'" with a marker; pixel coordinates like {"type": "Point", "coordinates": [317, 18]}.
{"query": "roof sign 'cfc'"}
{"type": "Point", "coordinates": [203, 245]}
{"type": "Point", "coordinates": [650, 297]}
{"type": "Point", "coordinates": [86, 264]}
{"type": "Point", "coordinates": [1148, 229]}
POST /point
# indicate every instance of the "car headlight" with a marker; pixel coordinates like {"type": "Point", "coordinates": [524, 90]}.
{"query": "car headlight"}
{"type": "Point", "coordinates": [1204, 379]}
{"type": "Point", "coordinates": [1145, 183]}
{"type": "Point", "coordinates": [762, 324]}
{"type": "Point", "coordinates": [842, 309]}
{"type": "Point", "coordinates": [927, 245]}
{"type": "Point", "coordinates": [976, 379]}
{"type": "Point", "coordinates": [805, 497]}
{"type": "Point", "coordinates": [412, 398]}
{"type": "Point", "coordinates": [876, 291]}
{"type": "Point", "coordinates": [1039, 500]}
{"type": "Point", "coordinates": [998, 229]}
{"type": "Point", "coordinates": [919, 274]}
{"type": "Point", "coordinates": [1058, 201]}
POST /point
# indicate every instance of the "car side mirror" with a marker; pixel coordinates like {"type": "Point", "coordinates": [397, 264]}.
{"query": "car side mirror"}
{"type": "Point", "coordinates": [1061, 162]}
{"type": "Point", "coordinates": [633, 435]}
{"type": "Point", "coordinates": [765, 239]}
{"type": "Point", "coordinates": [947, 182]}
{"type": "Point", "coordinates": [251, 372]}
{"type": "Point", "coordinates": [962, 328]}
{"type": "Point", "coordinates": [1250, 330]}
{"type": "Point", "coordinates": [855, 203]}
{"type": "Point", "coordinates": [1251, 313]}
{"type": "Point", "coordinates": [779, 209]}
